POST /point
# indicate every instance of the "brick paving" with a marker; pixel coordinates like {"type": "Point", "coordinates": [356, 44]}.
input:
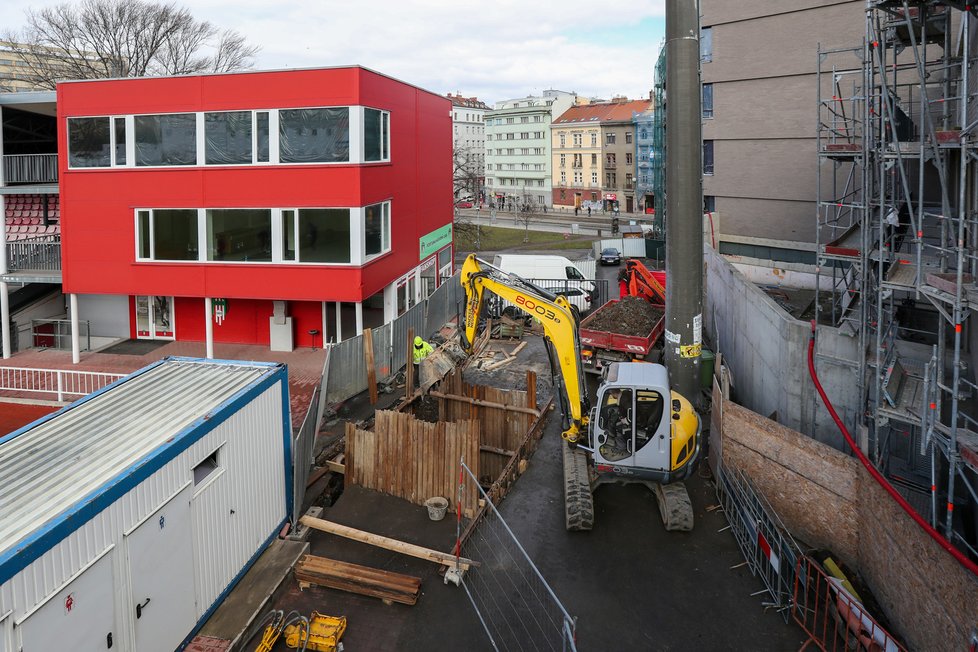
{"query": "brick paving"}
{"type": "Point", "coordinates": [305, 365]}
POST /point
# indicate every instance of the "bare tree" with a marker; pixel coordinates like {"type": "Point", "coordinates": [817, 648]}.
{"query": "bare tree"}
{"type": "Point", "coordinates": [97, 39]}
{"type": "Point", "coordinates": [467, 173]}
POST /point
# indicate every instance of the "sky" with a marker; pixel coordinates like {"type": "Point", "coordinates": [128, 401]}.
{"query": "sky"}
{"type": "Point", "coordinates": [494, 50]}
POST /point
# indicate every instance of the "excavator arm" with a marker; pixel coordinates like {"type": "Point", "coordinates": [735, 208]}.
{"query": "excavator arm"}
{"type": "Point", "coordinates": [559, 322]}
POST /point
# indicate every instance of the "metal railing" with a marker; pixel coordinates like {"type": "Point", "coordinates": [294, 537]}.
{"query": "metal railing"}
{"type": "Point", "coordinates": [30, 168]}
{"type": "Point", "coordinates": [56, 334]}
{"type": "Point", "coordinates": [54, 381]}
{"type": "Point", "coordinates": [770, 551]}
{"type": "Point", "coordinates": [833, 616]}
{"type": "Point", "coordinates": [514, 603]}
{"type": "Point", "coordinates": [41, 254]}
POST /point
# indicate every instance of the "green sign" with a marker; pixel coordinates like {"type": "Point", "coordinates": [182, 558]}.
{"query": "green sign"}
{"type": "Point", "coordinates": [435, 240]}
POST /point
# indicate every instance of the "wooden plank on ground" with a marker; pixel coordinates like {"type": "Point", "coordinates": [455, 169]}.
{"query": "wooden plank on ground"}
{"type": "Point", "coordinates": [368, 355]}
{"type": "Point", "coordinates": [385, 542]}
{"type": "Point", "coordinates": [388, 586]}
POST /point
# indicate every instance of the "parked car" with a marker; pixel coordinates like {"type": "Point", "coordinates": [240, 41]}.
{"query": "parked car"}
{"type": "Point", "coordinates": [610, 256]}
{"type": "Point", "coordinates": [463, 204]}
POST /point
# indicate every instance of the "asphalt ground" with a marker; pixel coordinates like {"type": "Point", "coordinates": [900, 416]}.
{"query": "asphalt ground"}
{"type": "Point", "coordinates": [630, 584]}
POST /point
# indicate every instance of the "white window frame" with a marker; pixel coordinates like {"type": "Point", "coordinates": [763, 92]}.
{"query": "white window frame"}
{"type": "Point", "coordinates": [385, 145]}
{"type": "Point", "coordinates": [385, 231]}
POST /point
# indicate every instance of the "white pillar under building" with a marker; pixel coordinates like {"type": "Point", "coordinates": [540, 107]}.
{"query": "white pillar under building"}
{"type": "Point", "coordinates": [75, 335]}
{"type": "Point", "coordinates": [5, 311]}
{"type": "Point", "coordinates": [209, 326]}
{"type": "Point", "coordinates": [359, 307]}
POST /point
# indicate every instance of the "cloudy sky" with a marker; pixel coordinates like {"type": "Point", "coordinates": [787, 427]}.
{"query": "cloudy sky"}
{"type": "Point", "coordinates": [496, 50]}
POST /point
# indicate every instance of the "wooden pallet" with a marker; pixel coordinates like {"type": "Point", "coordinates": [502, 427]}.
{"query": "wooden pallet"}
{"type": "Point", "coordinates": [388, 586]}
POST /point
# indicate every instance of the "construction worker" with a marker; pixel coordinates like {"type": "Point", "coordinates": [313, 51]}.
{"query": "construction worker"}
{"type": "Point", "coordinates": [421, 350]}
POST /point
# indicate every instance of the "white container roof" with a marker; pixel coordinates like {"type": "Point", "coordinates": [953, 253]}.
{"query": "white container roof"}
{"type": "Point", "coordinates": [51, 469]}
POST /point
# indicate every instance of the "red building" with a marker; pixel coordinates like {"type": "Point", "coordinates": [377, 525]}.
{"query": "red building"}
{"type": "Point", "coordinates": [286, 208]}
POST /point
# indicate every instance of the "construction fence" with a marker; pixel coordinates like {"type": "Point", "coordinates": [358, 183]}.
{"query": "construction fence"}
{"type": "Point", "coordinates": [513, 601]}
{"type": "Point", "coordinates": [390, 345]}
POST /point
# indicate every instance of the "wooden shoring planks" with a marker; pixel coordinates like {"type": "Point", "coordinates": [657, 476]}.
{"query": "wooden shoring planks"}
{"type": "Point", "coordinates": [353, 578]}
{"type": "Point", "coordinates": [413, 459]}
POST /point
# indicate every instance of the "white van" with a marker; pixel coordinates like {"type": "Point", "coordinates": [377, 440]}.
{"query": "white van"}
{"type": "Point", "coordinates": [557, 274]}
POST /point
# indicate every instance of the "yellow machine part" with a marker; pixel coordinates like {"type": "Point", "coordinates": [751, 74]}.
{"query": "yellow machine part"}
{"type": "Point", "coordinates": [325, 633]}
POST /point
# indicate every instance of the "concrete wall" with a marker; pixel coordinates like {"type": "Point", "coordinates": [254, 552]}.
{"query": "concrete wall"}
{"type": "Point", "coordinates": [828, 500]}
{"type": "Point", "coordinates": [766, 350]}
{"type": "Point", "coordinates": [108, 314]}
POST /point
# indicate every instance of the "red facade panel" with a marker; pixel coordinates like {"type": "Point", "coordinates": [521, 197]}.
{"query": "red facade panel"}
{"type": "Point", "coordinates": [98, 205]}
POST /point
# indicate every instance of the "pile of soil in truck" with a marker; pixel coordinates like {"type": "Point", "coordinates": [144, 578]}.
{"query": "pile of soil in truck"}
{"type": "Point", "coordinates": [629, 316]}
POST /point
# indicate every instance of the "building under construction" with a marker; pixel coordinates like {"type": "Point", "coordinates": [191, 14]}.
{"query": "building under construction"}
{"type": "Point", "coordinates": [898, 246]}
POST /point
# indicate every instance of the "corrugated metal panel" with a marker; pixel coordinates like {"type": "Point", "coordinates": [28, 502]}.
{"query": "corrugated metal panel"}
{"type": "Point", "coordinates": [250, 481]}
{"type": "Point", "coordinates": [382, 351]}
{"type": "Point", "coordinates": [444, 304]}
{"type": "Point", "coordinates": [347, 370]}
{"type": "Point", "coordinates": [51, 467]}
{"type": "Point", "coordinates": [413, 318]}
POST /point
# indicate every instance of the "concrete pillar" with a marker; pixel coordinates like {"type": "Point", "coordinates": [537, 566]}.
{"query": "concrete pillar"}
{"type": "Point", "coordinates": [684, 199]}
{"type": "Point", "coordinates": [325, 326]}
{"type": "Point", "coordinates": [209, 327]}
{"type": "Point", "coordinates": [75, 335]}
{"type": "Point", "coordinates": [359, 312]}
{"type": "Point", "coordinates": [339, 319]}
{"type": "Point", "coordinates": [5, 318]}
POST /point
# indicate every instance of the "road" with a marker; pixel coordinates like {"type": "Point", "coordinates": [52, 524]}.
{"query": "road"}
{"type": "Point", "coordinates": [555, 222]}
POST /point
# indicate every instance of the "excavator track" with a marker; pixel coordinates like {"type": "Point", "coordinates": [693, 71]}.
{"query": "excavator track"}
{"type": "Point", "coordinates": [578, 502]}
{"type": "Point", "coordinates": [675, 506]}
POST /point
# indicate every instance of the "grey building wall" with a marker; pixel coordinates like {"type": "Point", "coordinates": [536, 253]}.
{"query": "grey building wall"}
{"type": "Point", "coordinates": [108, 314]}
{"type": "Point", "coordinates": [763, 65]}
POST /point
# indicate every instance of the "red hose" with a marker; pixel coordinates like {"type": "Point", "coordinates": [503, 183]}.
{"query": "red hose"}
{"type": "Point", "coordinates": [883, 482]}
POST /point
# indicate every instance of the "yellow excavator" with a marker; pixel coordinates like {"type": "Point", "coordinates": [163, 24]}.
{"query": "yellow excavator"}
{"type": "Point", "coordinates": [638, 431]}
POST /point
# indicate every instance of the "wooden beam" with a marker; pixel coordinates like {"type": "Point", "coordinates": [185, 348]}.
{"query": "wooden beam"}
{"type": "Point", "coordinates": [519, 348]}
{"type": "Point", "coordinates": [409, 365]}
{"type": "Point", "coordinates": [368, 356]}
{"type": "Point", "coordinates": [481, 403]}
{"type": "Point", "coordinates": [498, 451]}
{"type": "Point", "coordinates": [385, 542]}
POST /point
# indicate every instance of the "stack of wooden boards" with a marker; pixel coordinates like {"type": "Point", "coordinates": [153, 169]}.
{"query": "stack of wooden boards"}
{"type": "Point", "coordinates": [388, 586]}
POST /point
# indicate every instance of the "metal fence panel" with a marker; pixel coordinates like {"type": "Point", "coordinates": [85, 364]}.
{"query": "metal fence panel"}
{"type": "Point", "coordinates": [382, 351]}
{"type": "Point", "coordinates": [413, 318]}
{"type": "Point", "coordinates": [302, 453]}
{"type": "Point", "coordinates": [347, 375]}
{"type": "Point", "coordinates": [769, 550]}
{"type": "Point", "coordinates": [444, 304]}
{"type": "Point", "coordinates": [514, 603]}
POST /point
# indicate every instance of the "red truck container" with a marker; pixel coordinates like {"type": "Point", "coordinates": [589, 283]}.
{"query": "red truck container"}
{"type": "Point", "coordinates": [600, 348]}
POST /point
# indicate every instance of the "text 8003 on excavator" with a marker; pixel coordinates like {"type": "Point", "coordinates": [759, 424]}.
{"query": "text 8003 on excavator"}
{"type": "Point", "coordinates": [638, 431]}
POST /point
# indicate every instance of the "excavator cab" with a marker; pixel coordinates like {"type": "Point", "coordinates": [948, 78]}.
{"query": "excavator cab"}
{"type": "Point", "coordinates": [643, 431]}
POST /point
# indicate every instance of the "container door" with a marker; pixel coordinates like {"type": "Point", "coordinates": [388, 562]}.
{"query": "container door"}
{"type": "Point", "coordinates": [79, 617]}
{"type": "Point", "coordinates": [652, 443]}
{"type": "Point", "coordinates": [161, 572]}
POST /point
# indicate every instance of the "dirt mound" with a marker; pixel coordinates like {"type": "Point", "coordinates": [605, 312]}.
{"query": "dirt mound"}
{"type": "Point", "coordinates": [630, 316]}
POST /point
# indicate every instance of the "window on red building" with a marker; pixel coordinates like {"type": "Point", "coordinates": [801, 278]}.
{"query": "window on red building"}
{"type": "Point", "coordinates": [88, 142]}
{"type": "Point", "coordinates": [243, 235]}
{"type": "Point", "coordinates": [166, 139]}
{"type": "Point", "coordinates": [314, 135]}
{"type": "Point", "coordinates": [227, 138]}
{"type": "Point", "coordinates": [167, 234]}
{"type": "Point", "coordinates": [324, 235]}
{"type": "Point", "coordinates": [376, 135]}
{"type": "Point", "coordinates": [377, 229]}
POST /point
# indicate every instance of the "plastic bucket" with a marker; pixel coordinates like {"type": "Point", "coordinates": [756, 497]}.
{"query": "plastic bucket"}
{"type": "Point", "coordinates": [707, 360]}
{"type": "Point", "coordinates": [437, 507]}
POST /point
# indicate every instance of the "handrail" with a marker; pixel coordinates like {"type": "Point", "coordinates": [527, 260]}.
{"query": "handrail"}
{"type": "Point", "coordinates": [54, 381]}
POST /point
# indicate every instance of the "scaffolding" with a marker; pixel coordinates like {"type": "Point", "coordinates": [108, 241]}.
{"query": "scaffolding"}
{"type": "Point", "coordinates": [897, 214]}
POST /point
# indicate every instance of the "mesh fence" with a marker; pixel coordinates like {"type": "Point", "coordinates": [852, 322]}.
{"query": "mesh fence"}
{"type": "Point", "coordinates": [516, 606]}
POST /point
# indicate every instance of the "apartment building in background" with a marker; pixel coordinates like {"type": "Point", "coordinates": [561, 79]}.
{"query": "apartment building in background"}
{"type": "Point", "coordinates": [468, 146]}
{"type": "Point", "coordinates": [518, 152]}
{"type": "Point", "coordinates": [759, 62]}
{"type": "Point", "coordinates": [644, 129]}
{"type": "Point", "coordinates": [284, 208]}
{"type": "Point", "coordinates": [594, 155]}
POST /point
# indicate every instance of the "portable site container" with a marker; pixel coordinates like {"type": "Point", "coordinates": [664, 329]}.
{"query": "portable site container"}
{"type": "Point", "coordinates": [126, 517]}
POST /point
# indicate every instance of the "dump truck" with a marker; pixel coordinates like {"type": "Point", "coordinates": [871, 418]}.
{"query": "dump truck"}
{"type": "Point", "coordinates": [622, 330]}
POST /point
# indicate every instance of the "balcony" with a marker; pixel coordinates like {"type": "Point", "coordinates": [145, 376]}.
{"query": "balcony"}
{"type": "Point", "coordinates": [30, 168]}
{"type": "Point", "coordinates": [35, 260]}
